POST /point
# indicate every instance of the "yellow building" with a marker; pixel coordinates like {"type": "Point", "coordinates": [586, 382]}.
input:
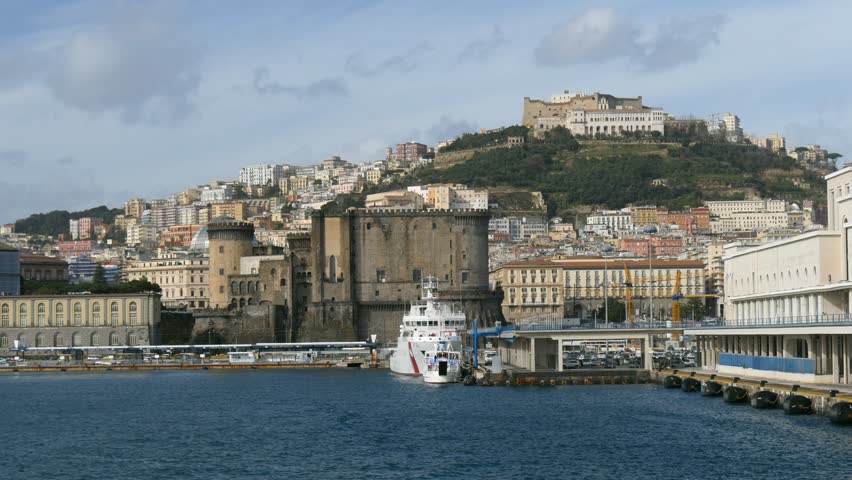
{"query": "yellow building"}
{"type": "Point", "coordinates": [641, 216]}
{"type": "Point", "coordinates": [188, 196]}
{"type": "Point", "coordinates": [183, 280]}
{"type": "Point", "coordinates": [573, 286]}
{"type": "Point", "coordinates": [79, 320]}
{"type": "Point", "coordinates": [235, 210]}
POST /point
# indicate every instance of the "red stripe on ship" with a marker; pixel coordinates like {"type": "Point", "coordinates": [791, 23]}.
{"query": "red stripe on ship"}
{"type": "Point", "coordinates": [413, 362]}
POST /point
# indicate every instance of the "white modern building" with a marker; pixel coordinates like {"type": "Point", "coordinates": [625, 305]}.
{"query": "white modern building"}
{"type": "Point", "coordinates": [221, 193]}
{"type": "Point", "coordinates": [727, 207]}
{"type": "Point", "coordinates": [615, 220]}
{"type": "Point", "coordinates": [261, 174]}
{"type": "Point", "coordinates": [787, 303]}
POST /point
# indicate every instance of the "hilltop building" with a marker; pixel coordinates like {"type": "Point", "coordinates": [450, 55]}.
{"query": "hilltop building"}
{"type": "Point", "coordinates": [593, 115]}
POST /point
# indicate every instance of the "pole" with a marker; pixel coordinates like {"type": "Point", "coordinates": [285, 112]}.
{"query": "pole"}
{"type": "Point", "coordinates": [475, 350]}
{"type": "Point", "coordinates": [651, 279]}
{"type": "Point", "coordinates": [606, 295]}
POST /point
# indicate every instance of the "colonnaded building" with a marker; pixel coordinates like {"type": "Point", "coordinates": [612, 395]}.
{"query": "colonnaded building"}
{"type": "Point", "coordinates": [353, 276]}
{"type": "Point", "coordinates": [787, 304]}
{"type": "Point", "coordinates": [79, 320]}
{"type": "Point", "coordinates": [573, 286]}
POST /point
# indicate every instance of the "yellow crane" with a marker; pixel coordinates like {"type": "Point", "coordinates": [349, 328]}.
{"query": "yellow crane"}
{"type": "Point", "coordinates": [628, 293]}
{"type": "Point", "coordinates": [676, 296]}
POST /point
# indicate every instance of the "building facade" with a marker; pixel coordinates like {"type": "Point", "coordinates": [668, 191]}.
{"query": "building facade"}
{"type": "Point", "coordinates": [573, 286]}
{"type": "Point", "coordinates": [261, 175]}
{"type": "Point", "coordinates": [596, 123]}
{"type": "Point", "coordinates": [182, 278]}
{"type": "Point", "coordinates": [79, 320]}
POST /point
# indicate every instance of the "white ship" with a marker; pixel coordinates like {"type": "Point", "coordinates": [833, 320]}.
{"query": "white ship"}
{"type": "Point", "coordinates": [427, 323]}
{"type": "Point", "coordinates": [443, 364]}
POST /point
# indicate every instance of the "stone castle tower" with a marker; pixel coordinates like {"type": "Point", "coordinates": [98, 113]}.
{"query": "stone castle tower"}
{"type": "Point", "coordinates": [229, 240]}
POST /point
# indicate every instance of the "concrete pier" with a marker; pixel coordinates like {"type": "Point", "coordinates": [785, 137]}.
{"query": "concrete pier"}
{"type": "Point", "coordinates": [821, 396]}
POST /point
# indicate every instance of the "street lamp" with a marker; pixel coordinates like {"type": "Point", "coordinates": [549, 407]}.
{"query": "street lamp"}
{"type": "Point", "coordinates": [210, 324]}
{"type": "Point", "coordinates": [650, 230]}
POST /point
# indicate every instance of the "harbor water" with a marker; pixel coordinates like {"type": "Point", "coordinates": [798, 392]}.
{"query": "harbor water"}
{"type": "Point", "coordinates": [346, 423]}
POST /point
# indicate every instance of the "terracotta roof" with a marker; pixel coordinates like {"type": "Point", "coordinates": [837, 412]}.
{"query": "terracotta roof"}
{"type": "Point", "coordinates": [42, 259]}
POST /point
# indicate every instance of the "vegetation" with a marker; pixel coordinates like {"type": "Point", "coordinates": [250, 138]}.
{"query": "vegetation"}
{"type": "Point", "coordinates": [56, 222]}
{"type": "Point", "coordinates": [30, 287]}
{"type": "Point", "coordinates": [616, 174]}
{"type": "Point", "coordinates": [481, 140]}
{"type": "Point", "coordinates": [342, 203]}
{"type": "Point", "coordinates": [617, 311]}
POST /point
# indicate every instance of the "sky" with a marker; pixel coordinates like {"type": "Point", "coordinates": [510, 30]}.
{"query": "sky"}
{"type": "Point", "coordinates": [101, 101]}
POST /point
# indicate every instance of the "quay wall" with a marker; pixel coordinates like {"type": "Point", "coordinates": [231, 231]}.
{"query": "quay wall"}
{"type": "Point", "coordinates": [821, 397]}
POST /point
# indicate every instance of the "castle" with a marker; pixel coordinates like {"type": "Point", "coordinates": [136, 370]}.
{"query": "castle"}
{"type": "Point", "coordinates": [353, 276]}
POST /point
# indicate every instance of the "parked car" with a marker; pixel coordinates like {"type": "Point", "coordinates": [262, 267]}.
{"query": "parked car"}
{"type": "Point", "coordinates": [570, 363]}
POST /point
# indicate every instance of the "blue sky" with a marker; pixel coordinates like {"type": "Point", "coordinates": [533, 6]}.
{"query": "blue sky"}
{"type": "Point", "coordinates": [101, 101]}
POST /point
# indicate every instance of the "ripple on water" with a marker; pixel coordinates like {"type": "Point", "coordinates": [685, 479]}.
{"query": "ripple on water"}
{"type": "Point", "coordinates": [371, 424]}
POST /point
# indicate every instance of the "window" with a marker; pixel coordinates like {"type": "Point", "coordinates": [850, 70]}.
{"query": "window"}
{"type": "Point", "coordinates": [465, 276]}
{"type": "Point", "coordinates": [4, 341]}
{"type": "Point", "coordinates": [133, 316]}
{"type": "Point", "coordinates": [113, 314]}
{"type": "Point", "coordinates": [22, 316]}
{"type": "Point", "coordinates": [222, 289]}
{"type": "Point", "coordinates": [96, 316]}
{"type": "Point", "coordinates": [59, 321]}
{"type": "Point", "coordinates": [78, 314]}
{"type": "Point", "coordinates": [416, 275]}
{"type": "Point", "coordinates": [96, 340]}
{"type": "Point", "coordinates": [221, 271]}
{"type": "Point", "coordinates": [380, 276]}
{"type": "Point", "coordinates": [113, 338]}
{"type": "Point", "coordinates": [332, 269]}
{"type": "Point", "coordinates": [41, 314]}
{"type": "Point", "coordinates": [221, 249]}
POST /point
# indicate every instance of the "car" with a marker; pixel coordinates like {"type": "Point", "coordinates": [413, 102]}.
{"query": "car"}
{"type": "Point", "coordinates": [570, 363]}
{"type": "Point", "coordinates": [3, 362]}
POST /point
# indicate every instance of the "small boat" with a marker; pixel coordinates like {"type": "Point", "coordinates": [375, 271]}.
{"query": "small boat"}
{"type": "Point", "coordinates": [443, 364]}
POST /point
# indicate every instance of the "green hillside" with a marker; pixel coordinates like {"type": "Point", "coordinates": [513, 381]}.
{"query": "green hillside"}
{"type": "Point", "coordinates": [613, 174]}
{"type": "Point", "coordinates": [56, 222]}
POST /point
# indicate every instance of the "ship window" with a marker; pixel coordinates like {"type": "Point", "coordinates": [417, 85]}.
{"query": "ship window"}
{"type": "Point", "coordinates": [433, 323]}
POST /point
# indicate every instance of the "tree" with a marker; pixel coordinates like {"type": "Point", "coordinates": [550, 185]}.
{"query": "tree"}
{"type": "Point", "coordinates": [616, 311]}
{"type": "Point", "coordinates": [100, 276]}
{"type": "Point", "coordinates": [800, 149]}
{"type": "Point", "coordinates": [694, 309]}
{"type": "Point", "coordinates": [833, 156]}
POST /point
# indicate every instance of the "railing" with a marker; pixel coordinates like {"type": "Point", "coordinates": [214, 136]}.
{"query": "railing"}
{"type": "Point", "coordinates": [793, 321]}
{"type": "Point", "coordinates": [555, 322]}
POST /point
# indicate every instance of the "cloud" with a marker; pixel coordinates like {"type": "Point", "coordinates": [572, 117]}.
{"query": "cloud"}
{"type": "Point", "coordinates": [448, 128]}
{"type": "Point", "coordinates": [482, 49]}
{"type": "Point", "coordinates": [603, 35]}
{"type": "Point", "coordinates": [137, 61]}
{"type": "Point", "coordinates": [404, 62]}
{"type": "Point", "coordinates": [13, 158]}
{"type": "Point", "coordinates": [680, 41]}
{"type": "Point", "coordinates": [263, 84]}
{"type": "Point", "coordinates": [66, 161]}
